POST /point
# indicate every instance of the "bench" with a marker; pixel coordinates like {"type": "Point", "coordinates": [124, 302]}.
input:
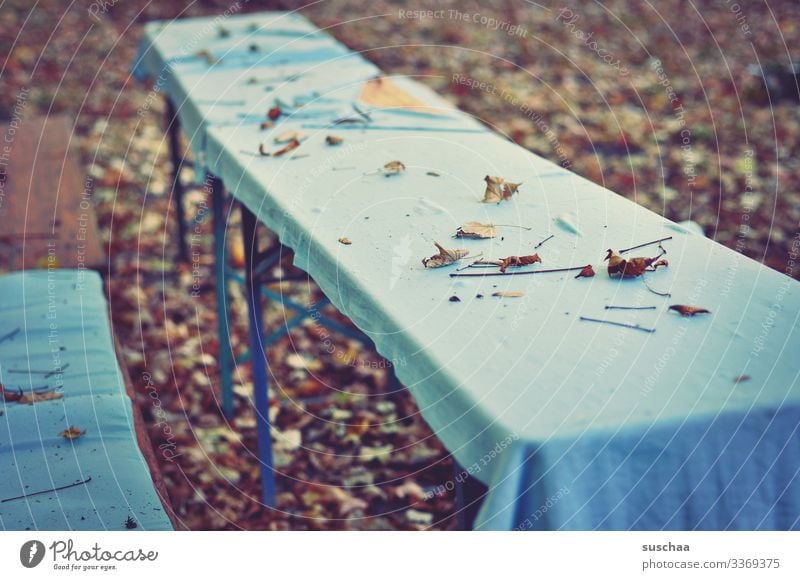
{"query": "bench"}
{"type": "Point", "coordinates": [571, 423]}
{"type": "Point", "coordinates": [74, 451]}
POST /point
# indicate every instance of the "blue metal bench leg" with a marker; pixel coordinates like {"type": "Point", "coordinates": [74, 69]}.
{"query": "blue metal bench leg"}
{"type": "Point", "coordinates": [173, 130]}
{"type": "Point", "coordinates": [225, 354]}
{"type": "Point", "coordinates": [258, 360]}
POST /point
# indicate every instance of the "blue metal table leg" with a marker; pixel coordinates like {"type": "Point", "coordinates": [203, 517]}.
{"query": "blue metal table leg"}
{"type": "Point", "coordinates": [225, 354]}
{"type": "Point", "coordinates": [259, 359]}
{"type": "Point", "coordinates": [173, 130]}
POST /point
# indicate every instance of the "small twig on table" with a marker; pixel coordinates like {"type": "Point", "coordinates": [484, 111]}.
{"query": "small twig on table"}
{"type": "Point", "coordinates": [51, 490]}
{"type": "Point", "coordinates": [664, 294]}
{"type": "Point", "coordinates": [9, 335]}
{"type": "Point", "coordinates": [551, 236]}
{"type": "Point", "coordinates": [623, 324]}
{"type": "Point", "coordinates": [575, 269]}
{"type": "Point", "coordinates": [630, 307]}
{"type": "Point", "coordinates": [645, 244]}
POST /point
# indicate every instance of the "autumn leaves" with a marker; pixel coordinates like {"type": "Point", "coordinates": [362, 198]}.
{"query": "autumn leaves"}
{"type": "Point", "coordinates": [617, 265]}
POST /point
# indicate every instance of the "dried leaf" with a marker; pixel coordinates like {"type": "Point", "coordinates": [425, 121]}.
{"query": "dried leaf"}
{"type": "Point", "coordinates": [35, 397]}
{"type": "Point", "coordinates": [497, 189]}
{"type": "Point", "coordinates": [476, 230]}
{"type": "Point", "coordinates": [10, 396]}
{"type": "Point", "coordinates": [289, 136]}
{"type": "Point", "coordinates": [587, 272]}
{"type": "Point", "coordinates": [394, 168]}
{"type": "Point", "coordinates": [517, 261]}
{"type": "Point", "coordinates": [688, 310]}
{"type": "Point", "coordinates": [333, 140]}
{"type": "Point", "coordinates": [207, 56]}
{"type": "Point", "coordinates": [509, 294]}
{"type": "Point", "coordinates": [274, 113]}
{"type": "Point", "coordinates": [617, 265]}
{"type": "Point", "coordinates": [290, 146]}
{"type": "Point", "coordinates": [411, 490]}
{"type": "Point", "coordinates": [266, 125]}
{"type": "Point", "coordinates": [72, 433]}
{"type": "Point", "coordinates": [345, 241]}
{"type": "Point", "coordinates": [444, 257]}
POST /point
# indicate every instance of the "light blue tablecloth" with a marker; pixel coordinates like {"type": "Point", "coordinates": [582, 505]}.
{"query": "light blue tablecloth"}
{"type": "Point", "coordinates": [64, 330]}
{"type": "Point", "coordinates": [571, 424]}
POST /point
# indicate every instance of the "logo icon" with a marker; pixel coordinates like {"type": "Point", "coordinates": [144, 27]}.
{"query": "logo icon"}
{"type": "Point", "coordinates": [31, 553]}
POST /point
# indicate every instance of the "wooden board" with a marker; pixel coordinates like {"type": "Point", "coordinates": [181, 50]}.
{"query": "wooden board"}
{"type": "Point", "coordinates": [46, 212]}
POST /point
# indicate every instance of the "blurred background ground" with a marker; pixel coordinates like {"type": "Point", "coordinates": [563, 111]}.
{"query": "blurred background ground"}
{"type": "Point", "coordinates": [605, 110]}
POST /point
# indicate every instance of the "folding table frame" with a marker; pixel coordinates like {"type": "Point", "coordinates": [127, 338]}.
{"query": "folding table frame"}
{"type": "Point", "coordinates": [256, 280]}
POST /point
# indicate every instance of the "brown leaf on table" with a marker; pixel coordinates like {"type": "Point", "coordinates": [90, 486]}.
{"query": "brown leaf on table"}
{"type": "Point", "coordinates": [444, 257]}
{"type": "Point", "coordinates": [508, 294]}
{"type": "Point", "coordinates": [289, 136]}
{"type": "Point", "coordinates": [266, 125]}
{"type": "Point", "coordinates": [517, 261]}
{"type": "Point", "coordinates": [497, 189]}
{"type": "Point", "coordinates": [35, 397]}
{"type": "Point", "coordinates": [10, 396]}
{"type": "Point", "coordinates": [476, 230]}
{"type": "Point", "coordinates": [617, 265]}
{"type": "Point", "coordinates": [345, 241]}
{"type": "Point", "coordinates": [688, 310]}
{"type": "Point", "coordinates": [290, 146]}
{"type": "Point", "coordinates": [587, 272]}
{"type": "Point", "coordinates": [274, 113]}
{"type": "Point", "coordinates": [72, 433]}
{"type": "Point", "coordinates": [394, 168]}
{"type": "Point", "coordinates": [207, 56]}
{"type": "Point", "coordinates": [333, 140]}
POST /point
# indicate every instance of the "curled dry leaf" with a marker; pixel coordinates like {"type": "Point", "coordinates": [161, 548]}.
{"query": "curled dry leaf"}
{"type": "Point", "coordinates": [394, 168]}
{"type": "Point", "coordinates": [207, 56]}
{"type": "Point", "coordinates": [345, 241]}
{"type": "Point", "coordinates": [10, 396]}
{"type": "Point", "coordinates": [497, 189]}
{"type": "Point", "coordinates": [35, 397]}
{"type": "Point", "coordinates": [333, 140]}
{"type": "Point", "coordinates": [290, 146]}
{"type": "Point", "coordinates": [289, 136]}
{"type": "Point", "coordinates": [444, 257]}
{"type": "Point", "coordinates": [619, 266]}
{"type": "Point", "coordinates": [587, 272]}
{"type": "Point", "coordinates": [688, 310]}
{"type": "Point", "coordinates": [274, 113]}
{"type": "Point", "coordinates": [476, 230]}
{"type": "Point", "coordinates": [517, 261]}
{"type": "Point", "coordinates": [508, 294]}
{"type": "Point", "coordinates": [262, 150]}
{"type": "Point", "coordinates": [72, 433]}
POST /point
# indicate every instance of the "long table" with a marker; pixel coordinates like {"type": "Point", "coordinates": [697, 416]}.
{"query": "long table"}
{"type": "Point", "coordinates": [572, 424]}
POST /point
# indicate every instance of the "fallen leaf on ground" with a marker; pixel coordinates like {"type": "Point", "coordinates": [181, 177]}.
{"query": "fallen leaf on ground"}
{"type": "Point", "coordinates": [497, 189]}
{"type": "Point", "coordinates": [409, 489]}
{"type": "Point", "coordinates": [587, 272]}
{"type": "Point", "coordinates": [517, 261]}
{"type": "Point", "coordinates": [333, 140]}
{"type": "Point", "coordinates": [509, 294]}
{"type": "Point", "coordinates": [345, 241]}
{"type": "Point", "coordinates": [476, 230]}
{"type": "Point", "coordinates": [72, 433]}
{"type": "Point", "coordinates": [419, 517]}
{"type": "Point", "coordinates": [444, 257]}
{"type": "Point", "coordinates": [274, 113]}
{"type": "Point", "coordinates": [688, 310]}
